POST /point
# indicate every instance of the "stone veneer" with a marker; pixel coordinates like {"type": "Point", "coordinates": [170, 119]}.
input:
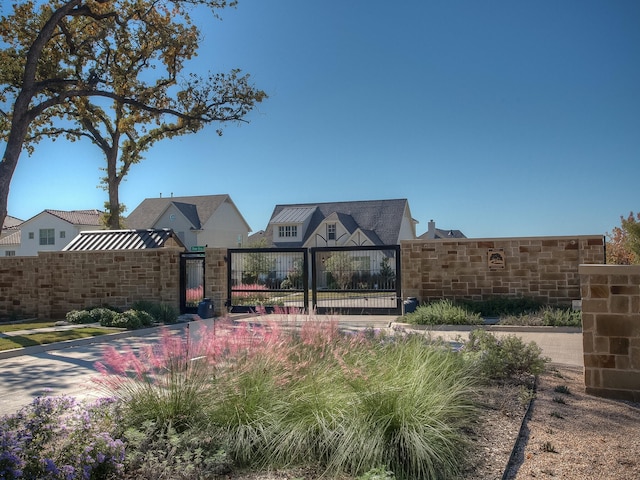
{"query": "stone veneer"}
{"type": "Point", "coordinates": [611, 330]}
{"type": "Point", "coordinates": [53, 283]}
{"type": "Point", "coordinates": [543, 268]}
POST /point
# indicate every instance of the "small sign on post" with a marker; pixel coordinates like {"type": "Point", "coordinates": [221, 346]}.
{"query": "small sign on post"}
{"type": "Point", "coordinates": [197, 248]}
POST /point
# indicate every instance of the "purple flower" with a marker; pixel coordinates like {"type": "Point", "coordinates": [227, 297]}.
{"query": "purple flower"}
{"type": "Point", "coordinates": [50, 467]}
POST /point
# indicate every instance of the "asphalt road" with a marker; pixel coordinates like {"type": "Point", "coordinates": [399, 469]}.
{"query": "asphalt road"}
{"type": "Point", "coordinates": [68, 369]}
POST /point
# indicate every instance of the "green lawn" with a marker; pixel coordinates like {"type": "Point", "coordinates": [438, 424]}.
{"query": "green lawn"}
{"type": "Point", "coordinates": [12, 327]}
{"type": "Point", "coordinates": [20, 341]}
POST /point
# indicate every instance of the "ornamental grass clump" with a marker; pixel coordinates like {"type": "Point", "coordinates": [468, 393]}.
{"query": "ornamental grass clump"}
{"type": "Point", "coordinates": [443, 312]}
{"type": "Point", "coordinates": [287, 393]}
{"type": "Point", "coordinates": [347, 404]}
{"type": "Point", "coordinates": [162, 383]}
{"type": "Point", "coordinates": [58, 438]}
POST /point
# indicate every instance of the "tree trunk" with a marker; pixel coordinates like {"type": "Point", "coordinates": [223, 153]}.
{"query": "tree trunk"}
{"type": "Point", "coordinates": [21, 116]}
{"type": "Point", "coordinates": [113, 182]}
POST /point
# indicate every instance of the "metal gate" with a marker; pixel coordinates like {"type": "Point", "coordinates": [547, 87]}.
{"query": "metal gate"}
{"type": "Point", "coordinates": [192, 285]}
{"type": "Point", "coordinates": [267, 277]}
{"type": "Point", "coordinates": [356, 280]}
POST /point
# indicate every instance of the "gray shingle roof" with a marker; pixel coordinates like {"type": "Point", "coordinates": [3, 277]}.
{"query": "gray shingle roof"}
{"type": "Point", "coordinates": [384, 217]}
{"type": "Point", "coordinates": [442, 234]}
{"type": "Point", "coordinates": [123, 240]}
{"type": "Point", "coordinates": [197, 209]}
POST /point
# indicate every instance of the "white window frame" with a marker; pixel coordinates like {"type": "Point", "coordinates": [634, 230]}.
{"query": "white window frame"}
{"type": "Point", "coordinates": [331, 231]}
{"type": "Point", "coordinates": [287, 231]}
{"type": "Point", "coordinates": [47, 236]}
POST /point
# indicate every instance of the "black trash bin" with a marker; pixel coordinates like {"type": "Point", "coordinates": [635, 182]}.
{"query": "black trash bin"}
{"type": "Point", "coordinates": [410, 304]}
{"type": "Point", "coordinates": [205, 308]}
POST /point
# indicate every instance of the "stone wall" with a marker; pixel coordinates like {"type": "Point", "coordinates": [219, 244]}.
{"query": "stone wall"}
{"type": "Point", "coordinates": [543, 268]}
{"type": "Point", "coordinates": [53, 283]}
{"type": "Point", "coordinates": [611, 330]}
{"type": "Point", "coordinates": [216, 278]}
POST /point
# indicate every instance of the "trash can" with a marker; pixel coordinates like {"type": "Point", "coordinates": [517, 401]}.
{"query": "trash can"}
{"type": "Point", "coordinates": [205, 308]}
{"type": "Point", "coordinates": [410, 304]}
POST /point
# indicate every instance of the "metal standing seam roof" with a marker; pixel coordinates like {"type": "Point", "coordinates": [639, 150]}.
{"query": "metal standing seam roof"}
{"type": "Point", "coordinates": [293, 215]}
{"type": "Point", "coordinates": [122, 240]}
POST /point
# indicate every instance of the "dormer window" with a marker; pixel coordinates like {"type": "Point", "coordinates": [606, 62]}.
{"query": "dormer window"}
{"type": "Point", "coordinates": [288, 231]}
{"type": "Point", "coordinates": [331, 231]}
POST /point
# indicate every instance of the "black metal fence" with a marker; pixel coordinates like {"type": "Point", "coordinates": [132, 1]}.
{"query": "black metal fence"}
{"type": "Point", "coordinates": [267, 277]}
{"type": "Point", "coordinates": [356, 280]}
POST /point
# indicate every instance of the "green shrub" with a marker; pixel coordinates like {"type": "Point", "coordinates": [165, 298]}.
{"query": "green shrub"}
{"type": "Point", "coordinates": [561, 317]}
{"type": "Point", "coordinates": [442, 312]}
{"type": "Point", "coordinates": [79, 317]}
{"type": "Point", "coordinates": [501, 306]}
{"type": "Point", "coordinates": [188, 455]}
{"type": "Point", "coordinates": [103, 314]}
{"type": "Point", "coordinates": [161, 312]}
{"type": "Point", "coordinates": [129, 319]}
{"type": "Point", "coordinates": [501, 358]}
{"type": "Point", "coordinates": [546, 316]}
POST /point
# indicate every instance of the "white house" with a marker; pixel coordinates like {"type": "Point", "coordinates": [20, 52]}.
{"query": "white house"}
{"type": "Point", "coordinates": [342, 224]}
{"type": "Point", "coordinates": [50, 230]}
{"type": "Point", "coordinates": [359, 223]}
{"type": "Point", "coordinates": [199, 221]}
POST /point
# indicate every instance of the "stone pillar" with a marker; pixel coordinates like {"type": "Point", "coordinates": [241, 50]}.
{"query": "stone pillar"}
{"type": "Point", "coordinates": [611, 330]}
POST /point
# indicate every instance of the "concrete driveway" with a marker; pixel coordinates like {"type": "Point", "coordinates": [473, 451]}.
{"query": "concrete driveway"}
{"type": "Point", "coordinates": [68, 368]}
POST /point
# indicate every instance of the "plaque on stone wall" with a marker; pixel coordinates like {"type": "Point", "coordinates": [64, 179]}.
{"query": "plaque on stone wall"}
{"type": "Point", "coordinates": [495, 258]}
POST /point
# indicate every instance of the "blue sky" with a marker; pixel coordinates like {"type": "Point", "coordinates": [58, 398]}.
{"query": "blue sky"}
{"type": "Point", "coordinates": [499, 118]}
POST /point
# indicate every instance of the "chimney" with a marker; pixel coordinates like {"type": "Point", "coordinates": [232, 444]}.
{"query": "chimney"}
{"type": "Point", "coordinates": [431, 230]}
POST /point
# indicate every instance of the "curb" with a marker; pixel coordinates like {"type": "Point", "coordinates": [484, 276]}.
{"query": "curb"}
{"type": "Point", "coordinates": [490, 328]}
{"type": "Point", "coordinates": [36, 349]}
{"type": "Point", "coordinates": [521, 434]}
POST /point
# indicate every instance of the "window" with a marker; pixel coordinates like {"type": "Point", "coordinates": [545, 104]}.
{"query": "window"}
{"type": "Point", "coordinates": [47, 236]}
{"type": "Point", "coordinates": [287, 231]}
{"type": "Point", "coordinates": [331, 231]}
{"type": "Point", "coordinates": [30, 235]}
{"type": "Point", "coordinates": [362, 264]}
{"type": "Point", "coordinates": [10, 253]}
{"type": "Point", "coordinates": [63, 234]}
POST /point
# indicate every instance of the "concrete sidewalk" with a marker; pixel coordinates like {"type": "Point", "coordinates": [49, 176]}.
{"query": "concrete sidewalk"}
{"type": "Point", "coordinates": [67, 368]}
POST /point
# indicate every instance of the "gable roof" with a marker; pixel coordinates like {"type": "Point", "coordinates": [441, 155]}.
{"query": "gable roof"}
{"type": "Point", "coordinates": [384, 217]}
{"type": "Point", "coordinates": [11, 222]}
{"type": "Point", "coordinates": [75, 217]}
{"type": "Point", "coordinates": [441, 234]}
{"type": "Point", "coordinates": [12, 238]}
{"type": "Point", "coordinates": [123, 240]}
{"type": "Point", "coordinates": [197, 209]}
